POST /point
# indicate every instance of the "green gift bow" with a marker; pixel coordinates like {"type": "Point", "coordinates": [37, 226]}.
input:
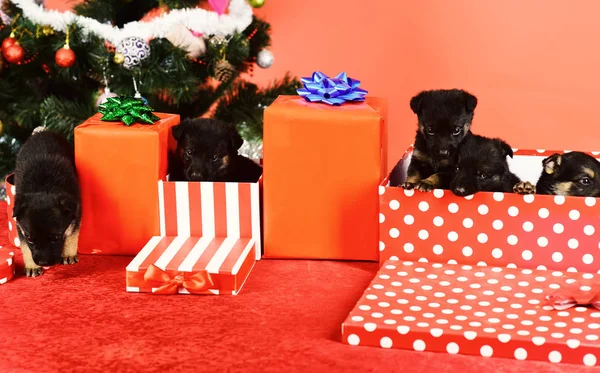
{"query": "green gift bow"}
{"type": "Point", "coordinates": [128, 110]}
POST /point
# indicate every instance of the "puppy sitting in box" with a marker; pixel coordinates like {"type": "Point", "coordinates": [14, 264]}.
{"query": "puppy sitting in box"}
{"type": "Point", "coordinates": [445, 118]}
{"type": "Point", "coordinates": [570, 174]}
{"type": "Point", "coordinates": [207, 150]}
{"type": "Point", "coordinates": [482, 167]}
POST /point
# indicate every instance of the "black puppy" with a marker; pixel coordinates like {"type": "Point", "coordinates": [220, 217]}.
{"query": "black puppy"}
{"type": "Point", "coordinates": [482, 166]}
{"type": "Point", "coordinates": [207, 150]}
{"type": "Point", "coordinates": [47, 202]}
{"type": "Point", "coordinates": [445, 118]}
{"type": "Point", "coordinates": [570, 174]}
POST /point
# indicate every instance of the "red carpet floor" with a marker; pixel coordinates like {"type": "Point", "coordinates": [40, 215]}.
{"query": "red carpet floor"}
{"type": "Point", "coordinates": [286, 319]}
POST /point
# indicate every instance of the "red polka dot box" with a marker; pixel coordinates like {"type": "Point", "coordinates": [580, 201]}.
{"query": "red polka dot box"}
{"type": "Point", "coordinates": [13, 237]}
{"type": "Point", "coordinates": [482, 311]}
{"type": "Point", "coordinates": [499, 229]}
{"type": "Point", "coordinates": [7, 265]}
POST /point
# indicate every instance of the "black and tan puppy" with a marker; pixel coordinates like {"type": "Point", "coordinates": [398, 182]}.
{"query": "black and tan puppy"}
{"type": "Point", "coordinates": [47, 202]}
{"type": "Point", "coordinates": [482, 166]}
{"type": "Point", "coordinates": [445, 118]}
{"type": "Point", "coordinates": [570, 174]}
{"type": "Point", "coordinates": [207, 150]}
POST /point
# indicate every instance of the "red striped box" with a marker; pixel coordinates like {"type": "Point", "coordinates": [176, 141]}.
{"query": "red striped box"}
{"type": "Point", "coordinates": [192, 265]}
{"type": "Point", "coordinates": [497, 229]}
{"type": "Point", "coordinates": [205, 209]}
{"type": "Point", "coordinates": [210, 240]}
{"type": "Point", "coordinates": [13, 236]}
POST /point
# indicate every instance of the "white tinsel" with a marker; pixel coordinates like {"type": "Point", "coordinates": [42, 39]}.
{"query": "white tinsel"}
{"type": "Point", "coordinates": [199, 20]}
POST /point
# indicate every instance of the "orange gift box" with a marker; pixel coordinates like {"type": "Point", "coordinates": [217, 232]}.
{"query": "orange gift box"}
{"type": "Point", "coordinates": [118, 167]}
{"type": "Point", "coordinates": [322, 165]}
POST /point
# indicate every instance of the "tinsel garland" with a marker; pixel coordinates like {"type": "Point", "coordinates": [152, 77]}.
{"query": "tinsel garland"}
{"type": "Point", "coordinates": [196, 19]}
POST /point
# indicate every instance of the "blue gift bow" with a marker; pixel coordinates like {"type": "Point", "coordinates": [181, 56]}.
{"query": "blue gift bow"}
{"type": "Point", "coordinates": [332, 91]}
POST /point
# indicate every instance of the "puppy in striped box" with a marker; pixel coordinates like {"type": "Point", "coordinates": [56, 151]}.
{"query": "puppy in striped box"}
{"type": "Point", "coordinates": [207, 150]}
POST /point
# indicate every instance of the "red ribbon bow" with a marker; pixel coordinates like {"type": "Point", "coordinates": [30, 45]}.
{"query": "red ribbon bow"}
{"type": "Point", "coordinates": [166, 284]}
{"type": "Point", "coordinates": [565, 299]}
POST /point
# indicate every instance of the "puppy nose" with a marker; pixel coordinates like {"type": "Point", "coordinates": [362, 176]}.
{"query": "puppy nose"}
{"type": "Point", "coordinates": [459, 191]}
{"type": "Point", "coordinates": [196, 176]}
{"type": "Point", "coordinates": [444, 152]}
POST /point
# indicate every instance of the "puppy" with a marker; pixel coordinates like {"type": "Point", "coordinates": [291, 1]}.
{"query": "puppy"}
{"type": "Point", "coordinates": [47, 205]}
{"type": "Point", "coordinates": [482, 166]}
{"type": "Point", "coordinates": [445, 118]}
{"type": "Point", "coordinates": [570, 174]}
{"type": "Point", "coordinates": [207, 150]}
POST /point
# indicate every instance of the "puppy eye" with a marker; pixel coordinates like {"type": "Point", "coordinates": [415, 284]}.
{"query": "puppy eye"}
{"type": "Point", "coordinates": [215, 158]}
{"type": "Point", "coordinates": [56, 238]}
{"type": "Point", "coordinates": [585, 181]}
{"type": "Point", "coordinates": [188, 152]}
{"type": "Point", "coordinates": [457, 168]}
{"type": "Point", "coordinates": [430, 131]}
{"type": "Point", "coordinates": [28, 238]}
{"type": "Point", "coordinates": [481, 175]}
{"type": "Point", "coordinates": [456, 131]}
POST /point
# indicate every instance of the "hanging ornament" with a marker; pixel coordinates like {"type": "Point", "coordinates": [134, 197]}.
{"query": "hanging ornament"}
{"type": "Point", "coordinates": [134, 50]}
{"type": "Point", "coordinates": [224, 71]}
{"type": "Point", "coordinates": [65, 57]}
{"type": "Point", "coordinates": [265, 58]}
{"type": "Point", "coordinates": [219, 6]}
{"type": "Point", "coordinates": [180, 36]}
{"type": "Point", "coordinates": [119, 58]}
{"type": "Point", "coordinates": [256, 3]}
{"type": "Point", "coordinates": [9, 41]}
{"type": "Point", "coordinates": [137, 94]}
{"type": "Point", "coordinates": [14, 53]}
{"type": "Point", "coordinates": [106, 94]}
{"type": "Point", "coordinates": [1, 128]}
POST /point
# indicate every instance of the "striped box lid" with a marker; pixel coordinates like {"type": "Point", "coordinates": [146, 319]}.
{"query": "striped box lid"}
{"type": "Point", "coordinates": [192, 265]}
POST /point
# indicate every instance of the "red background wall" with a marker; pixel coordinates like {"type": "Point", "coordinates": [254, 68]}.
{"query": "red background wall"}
{"type": "Point", "coordinates": [532, 64]}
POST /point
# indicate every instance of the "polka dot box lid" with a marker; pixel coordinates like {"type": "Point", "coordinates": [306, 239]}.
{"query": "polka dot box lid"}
{"type": "Point", "coordinates": [498, 229]}
{"type": "Point", "coordinates": [13, 237]}
{"type": "Point", "coordinates": [7, 265]}
{"type": "Point", "coordinates": [482, 311]}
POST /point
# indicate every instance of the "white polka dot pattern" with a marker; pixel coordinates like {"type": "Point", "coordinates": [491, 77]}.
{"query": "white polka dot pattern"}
{"type": "Point", "coordinates": [12, 225]}
{"type": "Point", "coordinates": [440, 225]}
{"type": "Point", "coordinates": [7, 265]}
{"type": "Point", "coordinates": [482, 311]}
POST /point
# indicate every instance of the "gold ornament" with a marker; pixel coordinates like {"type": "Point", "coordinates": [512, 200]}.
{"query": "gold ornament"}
{"type": "Point", "coordinates": [224, 71]}
{"type": "Point", "coordinates": [47, 30]}
{"type": "Point", "coordinates": [119, 58]}
{"type": "Point", "coordinates": [256, 3]}
{"type": "Point", "coordinates": [1, 128]}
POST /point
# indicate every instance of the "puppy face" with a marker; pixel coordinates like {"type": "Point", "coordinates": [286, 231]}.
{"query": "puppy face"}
{"type": "Point", "coordinates": [481, 166]}
{"type": "Point", "coordinates": [571, 174]}
{"type": "Point", "coordinates": [44, 222]}
{"type": "Point", "coordinates": [206, 148]}
{"type": "Point", "coordinates": [445, 118]}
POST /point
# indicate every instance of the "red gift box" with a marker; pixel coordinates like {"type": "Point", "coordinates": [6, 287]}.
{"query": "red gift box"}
{"type": "Point", "coordinates": [7, 265]}
{"type": "Point", "coordinates": [483, 311]}
{"type": "Point", "coordinates": [13, 236]}
{"type": "Point", "coordinates": [500, 229]}
{"type": "Point", "coordinates": [209, 243]}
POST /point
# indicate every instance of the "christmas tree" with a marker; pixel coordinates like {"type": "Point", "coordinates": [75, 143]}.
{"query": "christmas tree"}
{"type": "Point", "coordinates": [180, 56]}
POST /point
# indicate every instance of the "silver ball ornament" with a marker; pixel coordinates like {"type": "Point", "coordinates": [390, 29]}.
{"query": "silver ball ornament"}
{"type": "Point", "coordinates": [134, 50]}
{"type": "Point", "coordinates": [105, 96]}
{"type": "Point", "coordinates": [265, 58]}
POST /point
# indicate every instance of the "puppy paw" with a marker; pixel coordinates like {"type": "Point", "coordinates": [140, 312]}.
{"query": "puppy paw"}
{"type": "Point", "coordinates": [524, 187]}
{"type": "Point", "coordinates": [408, 185]}
{"type": "Point", "coordinates": [424, 186]}
{"type": "Point", "coordinates": [33, 271]}
{"type": "Point", "coordinates": [70, 259]}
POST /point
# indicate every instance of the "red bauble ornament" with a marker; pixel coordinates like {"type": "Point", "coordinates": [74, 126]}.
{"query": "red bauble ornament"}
{"type": "Point", "coordinates": [14, 53]}
{"type": "Point", "coordinates": [65, 57]}
{"type": "Point", "coordinates": [8, 42]}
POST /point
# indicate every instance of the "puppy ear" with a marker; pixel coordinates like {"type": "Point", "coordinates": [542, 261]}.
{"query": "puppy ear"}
{"type": "Point", "coordinates": [470, 101]}
{"type": "Point", "coordinates": [552, 163]}
{"type": "Point", "coordinates": [506, 148]}
{"type": "Point", "coordinates": [67, 205]}
{"type": "Point", "coordinates": [415, 102]}
{"type": "Point", "coordinates": [178, 131]}
{"type": "Point", "coordinates": [236, 139]}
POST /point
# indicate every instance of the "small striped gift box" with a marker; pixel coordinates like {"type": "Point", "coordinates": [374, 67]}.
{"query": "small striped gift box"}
{"type": "Point", "coordinates": [210, 239]}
